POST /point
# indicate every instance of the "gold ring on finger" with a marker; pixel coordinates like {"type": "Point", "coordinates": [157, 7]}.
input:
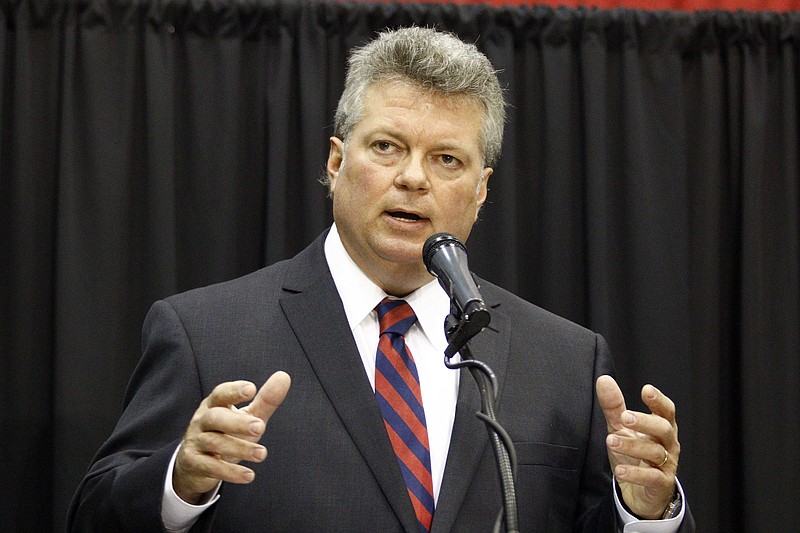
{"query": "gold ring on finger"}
{"type": "Point", "coordinates": [666, 458]}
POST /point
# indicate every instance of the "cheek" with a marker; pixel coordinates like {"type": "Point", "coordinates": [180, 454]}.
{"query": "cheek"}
{"type": "Point", "coordinates": [356, 189]}
{"type": "Point", "coordinates": [469, 201]}
{"type": "Point", "coordinates": [369, 185]}
{"type": "Point", "coordinates": [462, 209]}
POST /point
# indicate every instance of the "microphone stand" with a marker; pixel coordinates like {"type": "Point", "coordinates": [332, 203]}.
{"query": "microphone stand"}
{"type": "Point", "coordinates": [458, 332]}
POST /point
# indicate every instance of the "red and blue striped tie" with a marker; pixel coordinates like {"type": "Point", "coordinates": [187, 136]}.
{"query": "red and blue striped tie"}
{"type": "Point", "coordinates": [398, 393]}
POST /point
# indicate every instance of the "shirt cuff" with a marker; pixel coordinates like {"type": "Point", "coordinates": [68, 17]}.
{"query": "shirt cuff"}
{"type": "Point", "coordinates": [632, 524]}
{"type": "Point", "coordinates": [177, 515]}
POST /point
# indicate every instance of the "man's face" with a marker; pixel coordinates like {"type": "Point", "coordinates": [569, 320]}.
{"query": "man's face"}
{"type": "Point", "coordinates": [412, 167]}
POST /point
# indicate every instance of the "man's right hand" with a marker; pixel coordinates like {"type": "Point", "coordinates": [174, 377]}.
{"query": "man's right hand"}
{"type": "Point", "coordinates": [219, 436]}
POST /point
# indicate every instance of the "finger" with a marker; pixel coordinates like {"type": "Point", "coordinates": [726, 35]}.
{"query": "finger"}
{"type": "Point", "coordinates": [231, 421]}
{"type": "Point", "coordinates": [658, 484]}
{"type": "Point", "coordinates": [611, 401]}
{"type": "Point", "coordinates": [663, 463]}
{"type": "Point", "coordinates": [229, 448]}
{"type": "Point", "coordinates": [650, 452]}
{"type": "Point", "coordinates": [653, 426]}
{"type": "Point", "coordinates": [658, 402]}
{"type": "Point", "coordinates": [230, 393]}
{"type": "Point", "coordinates": [199, 466]}
{"type": "Point", "coordinates": [270, 396]}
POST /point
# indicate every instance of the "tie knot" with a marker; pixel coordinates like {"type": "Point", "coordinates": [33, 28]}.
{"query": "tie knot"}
{"type": "Point", "coordinates": [395, 316]}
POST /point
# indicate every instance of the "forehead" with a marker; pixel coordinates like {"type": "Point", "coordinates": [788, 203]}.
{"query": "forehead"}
{"type": "Point", "coordinates": [399, 104]}
{"type": "Point", "coordinates": [393, 91]}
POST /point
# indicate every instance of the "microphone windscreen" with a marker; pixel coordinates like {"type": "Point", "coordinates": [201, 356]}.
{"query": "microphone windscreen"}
{"type": "Point", "coordinates": [436, 241]}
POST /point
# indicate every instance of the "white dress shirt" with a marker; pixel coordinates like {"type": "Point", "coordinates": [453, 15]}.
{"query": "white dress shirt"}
{"type": "Point", "coordinates": [439, 385]}
{"type": "Point", "coordinates": [425, 340]}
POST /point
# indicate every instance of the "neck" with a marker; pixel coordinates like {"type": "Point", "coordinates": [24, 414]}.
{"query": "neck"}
{"type": "Point", "coordinates": [398, 281]}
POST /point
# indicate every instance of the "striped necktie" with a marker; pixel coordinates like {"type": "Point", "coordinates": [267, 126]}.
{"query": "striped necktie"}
{"type": "Point", "coordinates": [398, 393]}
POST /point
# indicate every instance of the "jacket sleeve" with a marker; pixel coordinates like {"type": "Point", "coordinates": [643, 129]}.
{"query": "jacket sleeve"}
{"type": "Point", "coordinates": [123, 487]}
{"type": "Point", "coordinates": [597, 510]}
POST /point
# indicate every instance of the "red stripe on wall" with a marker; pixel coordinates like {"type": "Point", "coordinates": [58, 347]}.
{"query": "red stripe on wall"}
{"type": "Point", "coordinates": [654, 5]}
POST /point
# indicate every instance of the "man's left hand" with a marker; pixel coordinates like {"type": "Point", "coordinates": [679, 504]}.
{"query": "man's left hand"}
{"type": "Point", "coordinates": [643, 448]}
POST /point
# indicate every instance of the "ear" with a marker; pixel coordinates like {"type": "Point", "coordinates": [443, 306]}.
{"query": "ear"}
{"type": "Point", "coordinates": [483, 190]}
{"type": "Point", "coordinates": [335, 158]}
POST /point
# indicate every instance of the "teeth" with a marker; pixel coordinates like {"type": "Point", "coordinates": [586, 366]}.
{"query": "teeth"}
{"type": "Point", "coordinates": [410, 217]}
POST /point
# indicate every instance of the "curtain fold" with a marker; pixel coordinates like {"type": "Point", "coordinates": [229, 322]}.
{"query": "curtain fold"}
{"type": "Point", "coordinates": [648, 188]}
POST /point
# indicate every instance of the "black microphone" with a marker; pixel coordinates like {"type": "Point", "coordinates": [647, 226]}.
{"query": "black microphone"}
{"type": "Point", "coordinates": [446, 258]}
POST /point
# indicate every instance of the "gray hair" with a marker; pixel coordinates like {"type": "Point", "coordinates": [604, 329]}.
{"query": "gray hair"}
{"type": "Point", "coordinates": [436, 61]}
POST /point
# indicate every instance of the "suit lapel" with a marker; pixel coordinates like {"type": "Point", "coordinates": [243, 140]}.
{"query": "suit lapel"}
{"type": "Point", "coordinates": [315, 313]}
{"type": "Point", "coordinates": [469, 439]}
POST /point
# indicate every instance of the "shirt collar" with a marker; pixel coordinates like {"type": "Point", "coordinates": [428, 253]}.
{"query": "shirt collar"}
{"type": "Point", "coordinates": [360, 295]}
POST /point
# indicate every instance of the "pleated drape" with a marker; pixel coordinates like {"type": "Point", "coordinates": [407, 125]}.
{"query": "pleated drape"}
{"type": "Point", "coordinates": [648, 189]}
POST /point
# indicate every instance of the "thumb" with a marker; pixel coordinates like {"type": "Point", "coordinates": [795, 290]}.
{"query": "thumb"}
{"type": "Point", "coordinates": [611, 400]}
{"type": "Point", "coordinates": [270, 396]}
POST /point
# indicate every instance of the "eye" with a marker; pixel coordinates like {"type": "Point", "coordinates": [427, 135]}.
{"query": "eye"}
{"type": "Point", "coordinates": [383, 146]}
{"type": "Point", "coordinates": [449, 161]}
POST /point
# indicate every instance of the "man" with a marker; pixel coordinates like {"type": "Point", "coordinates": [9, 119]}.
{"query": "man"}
{"type": "Point", "coordinates": [417, 129]}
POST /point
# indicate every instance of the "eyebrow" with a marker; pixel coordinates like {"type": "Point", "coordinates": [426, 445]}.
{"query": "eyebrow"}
{"type": "Point", "coordinates": [440, 146]}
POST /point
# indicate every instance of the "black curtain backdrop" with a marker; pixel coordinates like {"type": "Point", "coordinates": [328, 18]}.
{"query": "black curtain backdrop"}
{"type": "Point", "coordinates": [649, 189]}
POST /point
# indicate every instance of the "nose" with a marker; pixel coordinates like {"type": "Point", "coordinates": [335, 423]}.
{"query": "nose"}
{"type": "Point", "coordinates": [413, 176]}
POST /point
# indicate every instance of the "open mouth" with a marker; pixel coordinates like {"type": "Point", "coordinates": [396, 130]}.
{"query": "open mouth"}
{"type": "Point", "coordinates": [402, 215]}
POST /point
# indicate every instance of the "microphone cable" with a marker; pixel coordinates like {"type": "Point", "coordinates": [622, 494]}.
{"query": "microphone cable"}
{"type": "Point", "coordinates": [503, 447]}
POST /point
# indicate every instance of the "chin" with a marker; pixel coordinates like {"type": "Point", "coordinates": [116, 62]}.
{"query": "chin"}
{"type": "Point", "coordinates": [401, 252]}
{"type": "Point", "coordinates": [400, 258]}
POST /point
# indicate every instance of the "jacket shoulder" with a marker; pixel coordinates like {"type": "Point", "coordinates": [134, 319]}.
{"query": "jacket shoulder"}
{"type": "Point", "coordinates": [533, 316]}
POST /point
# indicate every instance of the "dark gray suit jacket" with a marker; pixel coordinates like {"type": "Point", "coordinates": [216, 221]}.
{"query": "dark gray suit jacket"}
{"type": "Point", "coordinates": [331, 467]}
